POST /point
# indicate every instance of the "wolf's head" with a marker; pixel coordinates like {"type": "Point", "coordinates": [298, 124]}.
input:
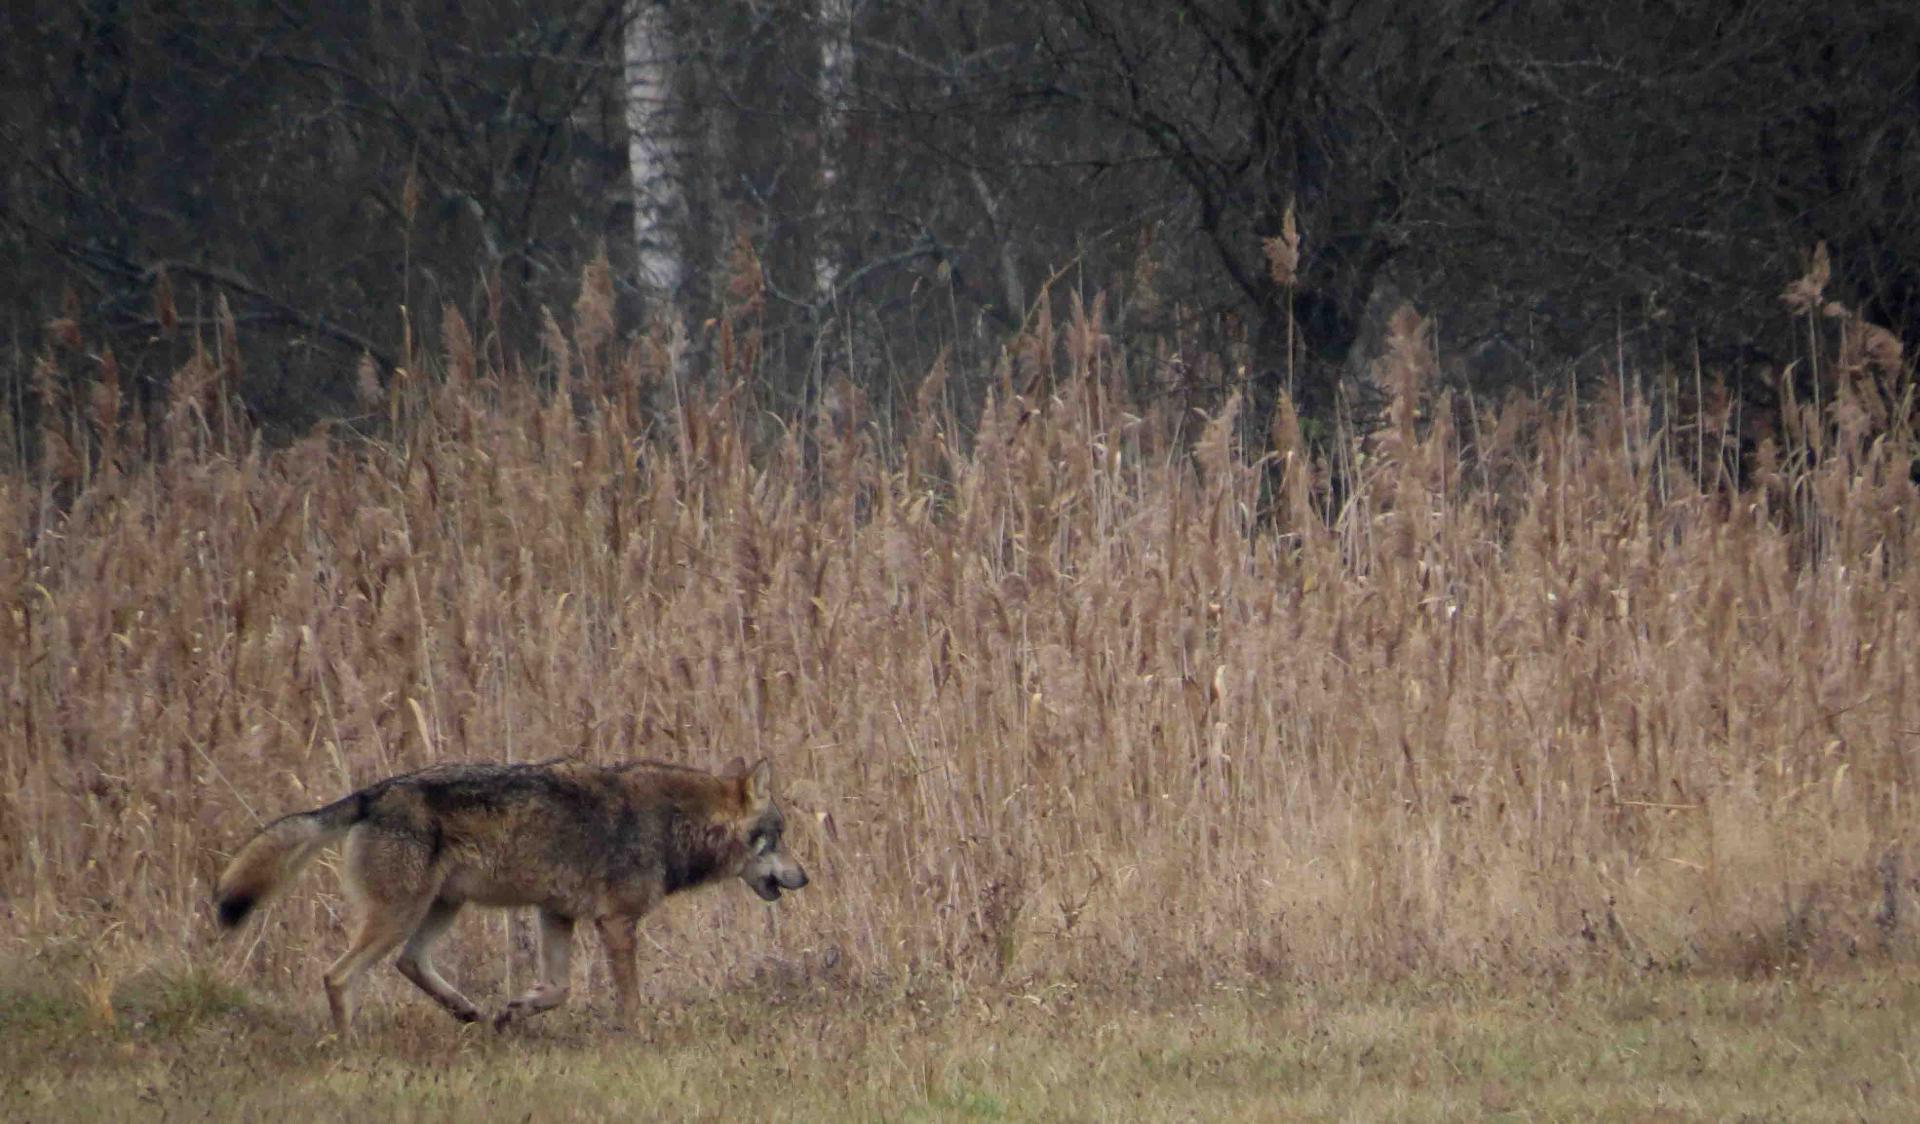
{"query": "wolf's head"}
{"type": "Point", "coordinates": [767, 868]}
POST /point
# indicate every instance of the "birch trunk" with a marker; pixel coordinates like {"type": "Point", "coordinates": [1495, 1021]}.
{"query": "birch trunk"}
{"type": "Point", "coordinates": [836, 76]}
{"type": "Point", "coordinates": [654, 155]}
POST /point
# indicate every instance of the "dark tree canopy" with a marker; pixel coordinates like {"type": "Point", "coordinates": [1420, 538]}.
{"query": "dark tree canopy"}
{"type": "Point", "coordinates": [1553, 182]}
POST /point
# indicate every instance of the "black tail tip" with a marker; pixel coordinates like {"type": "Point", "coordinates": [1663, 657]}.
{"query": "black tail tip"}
{"type": "Point", "coordinates": [234, 910]}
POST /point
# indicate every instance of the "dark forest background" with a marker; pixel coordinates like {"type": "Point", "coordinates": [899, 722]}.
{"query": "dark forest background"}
{"type": "Point", "coordinates": [1567, 190]}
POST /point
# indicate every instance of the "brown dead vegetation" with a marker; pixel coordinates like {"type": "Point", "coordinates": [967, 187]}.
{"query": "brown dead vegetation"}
{"type": "Point", "coordinates": [1052, 692]}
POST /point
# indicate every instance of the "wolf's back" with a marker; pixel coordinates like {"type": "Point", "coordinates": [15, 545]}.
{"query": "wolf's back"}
{"type": "Point", "coordinates": [277, 852]}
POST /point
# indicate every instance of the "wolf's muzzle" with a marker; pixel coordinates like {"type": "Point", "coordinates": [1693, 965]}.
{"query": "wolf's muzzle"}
{"type": "Point", "coordinates": [770, 874]}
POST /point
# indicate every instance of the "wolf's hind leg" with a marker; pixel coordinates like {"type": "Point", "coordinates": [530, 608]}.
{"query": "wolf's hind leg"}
{"type": "Point", "coordinates": [416, 961]}
{"type": "Point", "coordinates": [383, 925]}
{"type": "Point", "coordinates": [388, 876]}
{"type": "Point", "coordinates": [556, 963]}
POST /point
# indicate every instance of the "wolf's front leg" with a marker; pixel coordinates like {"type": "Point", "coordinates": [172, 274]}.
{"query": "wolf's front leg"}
{"type": "Point", "coordinates": [556, 965]}
{"type": "Point", "coordinates": [617, 934]}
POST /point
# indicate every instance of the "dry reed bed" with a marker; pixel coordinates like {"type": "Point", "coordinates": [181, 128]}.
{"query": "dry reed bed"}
{"type": "Point", "coordinates": [1069, 698]}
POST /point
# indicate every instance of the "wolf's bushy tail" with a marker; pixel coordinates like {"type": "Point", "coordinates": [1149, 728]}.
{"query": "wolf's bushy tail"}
{"type": "Point", "coordinates": [277, 852]}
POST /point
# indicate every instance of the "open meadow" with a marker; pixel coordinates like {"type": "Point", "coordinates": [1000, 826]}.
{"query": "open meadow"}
{"type": "Point", "coordinates": [1554, 760]}
{"type": "Point", "coordinates": [1662, 1048]}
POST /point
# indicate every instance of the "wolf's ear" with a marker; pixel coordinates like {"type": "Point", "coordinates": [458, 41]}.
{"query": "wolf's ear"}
{"type": "Point", "coordinates": [736, 767]}
{"type": "Point", "coordinates": [758, 784]}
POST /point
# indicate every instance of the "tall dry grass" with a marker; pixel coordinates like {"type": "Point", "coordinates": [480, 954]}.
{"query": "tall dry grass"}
{"type": "Point", "coordinates": [1537, 690]}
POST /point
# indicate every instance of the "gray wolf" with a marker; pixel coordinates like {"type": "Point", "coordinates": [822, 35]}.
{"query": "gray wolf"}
{"type": "Point", "coordinates": [579, 842]}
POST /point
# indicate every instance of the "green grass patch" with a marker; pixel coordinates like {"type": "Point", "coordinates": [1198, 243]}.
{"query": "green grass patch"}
{"type": "Point", "coordinates": [24, 1013]}
{"type": "Point", "coordinates": [169, 1001]}
{"type": "Point", "coordinates": [1804, 1048]}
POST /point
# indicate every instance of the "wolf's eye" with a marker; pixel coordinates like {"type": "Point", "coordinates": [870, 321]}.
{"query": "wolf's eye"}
{"type": "Point", "coordinates": [762, 842]}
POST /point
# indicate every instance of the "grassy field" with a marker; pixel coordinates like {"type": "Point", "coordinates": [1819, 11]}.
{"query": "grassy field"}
{"type": "Point", "coordinates": [1839, 1046]}
{"type": "Point", "coordinates": [1612, 704]}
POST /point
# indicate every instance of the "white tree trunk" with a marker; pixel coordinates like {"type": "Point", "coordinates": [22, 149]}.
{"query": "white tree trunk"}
{"type": "Point", "coordinates": [836, 77]}
{"type": "Point", "coordinates": [1010, 290]}
{"type": "Point", "coordinates": [654, 154]}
